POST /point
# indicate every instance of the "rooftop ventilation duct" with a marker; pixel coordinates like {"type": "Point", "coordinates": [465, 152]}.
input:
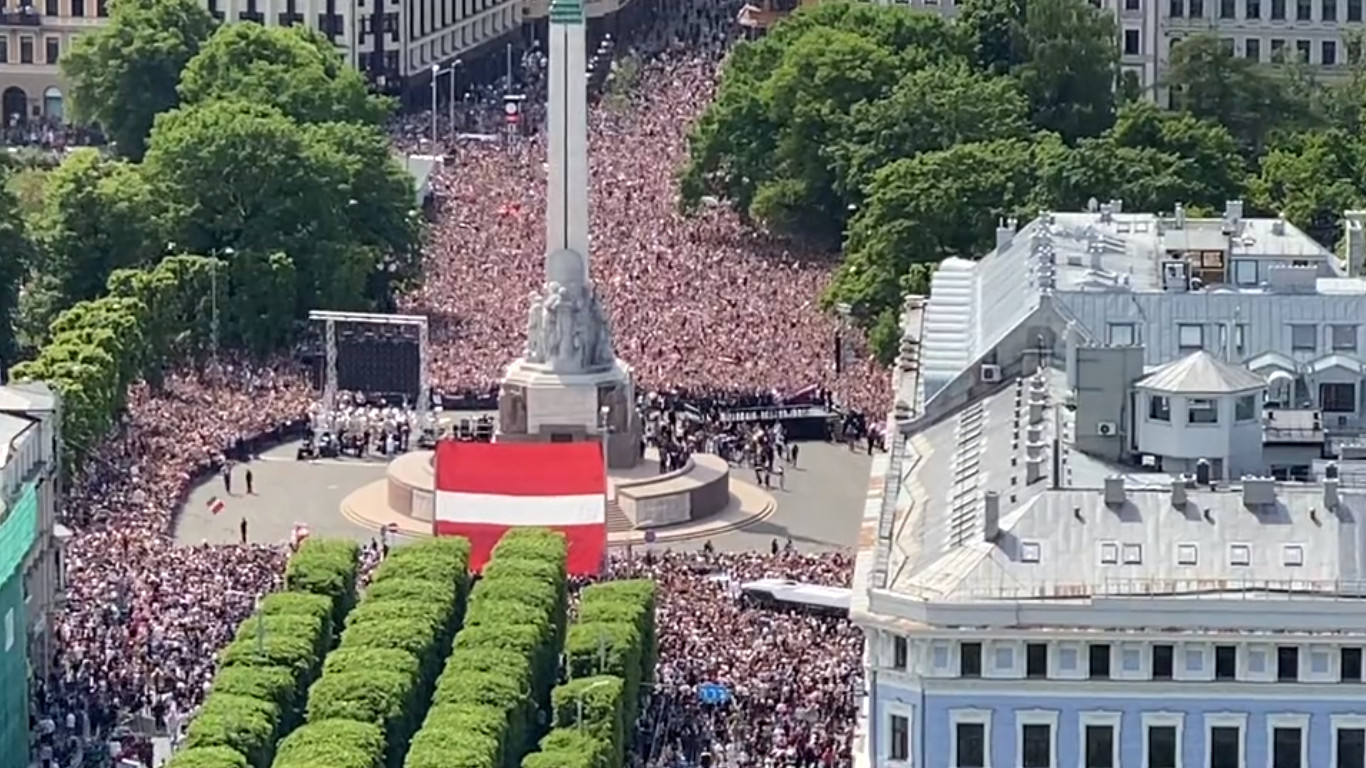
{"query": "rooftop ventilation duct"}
{"type": "Point", "coordinates": [1258, 492]}
{"type": "Point", "coordinates": [1114, 491]}
{"type": "Point", "coordinates": [1179, 497]}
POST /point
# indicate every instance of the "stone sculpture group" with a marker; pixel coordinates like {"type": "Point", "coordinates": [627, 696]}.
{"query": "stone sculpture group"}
{"type": "Point", "coordinates": [567, 328]}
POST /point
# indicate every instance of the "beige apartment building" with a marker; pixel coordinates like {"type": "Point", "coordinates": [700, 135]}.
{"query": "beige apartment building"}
{"type": "Point", "coordinates": [33, 36]}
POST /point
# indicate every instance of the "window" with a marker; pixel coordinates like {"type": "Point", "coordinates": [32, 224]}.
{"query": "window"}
{"type": "Point", "coordinates": [1252, 9]}
{"type": "Point", "coordinates": [1197, 9]}
{"type": "Point", "coordinates": [1036, 660]}
{"type": "Point", "coordinates": [1304, 338]}
{"type": "Point", "coordinates": [1131, 43]}
{"type": "Point", "coordinates": [1099, 742]}
{"type": "Point", "coordinates": [1328, 11]}
{"type": "Point", "coordinates": [1349, 742]}
{"type": "Point", "coordinates": [1098, 657]}
{"type": "Point", "coordinates": [1252, 48]}
{"type": "Point", "coordinates": [1277, 50]}
{"type": "Point", "coordinates": [1030, 552]}
{"type": "Point", "coordinates": [1245, 270]}
{"type": "Point", "coordinates": [1277, 10]}
{"type": "Point", "coordinates": [1162, 740]}
{"type": "Point", "coordinates": [970, 660]}
{"type": "Point", "coordinates": [1227, 45]}
{"type": "Point", "coordinates": [1245, 408]}
{"type": "Point", "coordinates": [4, 52]}
{"type": "Point", "coordinates": [1133, 554]}
{"type": "Point", "coordinates": [1349, 670]}
{"type": "Point", "coordinates": [1288, 747]}
{"type": "Point", "coordinates": [1159, 408]}
{"type": "Point", "coordinates": [1302, 48]}
{"type": "Point", "coordinates": [1132, 5]}
{"type": "Point", "coordinates": [26, 50]}
{"type": "Point", "coordinates": [1187, 554]}
{"type": "Point", "coordinates": [1121, 334]}
{"type": "Point", "coordinates": [1287, 663]}
{"type": "Point", "coordinates": [1036, 740]}
{"type": "Point", "coordinates": [1342, 338]}
{"type": "Point", "coordinates": [1304, 10]}
{"type": "Point", "coordinates": [1225, 662]}
{"type": "Point", "coordinates": [1328, 53]}
{"type": "Point", "coordinates": [900, 733]}
{"type": "Point", "coordinates": [1201, 410]}
{"type": "Point", "coordinates": [53, 49]}
{"type": "Point", "coordinates": [900, 653]}
{"type": "Point", "coordinates": [78, 8]}
{"type": "Point", "coordinates": [1109, 553]}
{"type": "Point", "coordinates": [1239, 554]}
{"type": "Point", "coordinates": [1225, 746]}
{"type": "Point", "coordinates": [1292, 555]}
{"type": "Point", "coordinates": [1162, 662]}
{"type": "Point", "coordinates": [1354, 10]}
{"type": "Point", "coordinates": [51, 8]}
{"type": "Point", "coordinates": [1176, 9]}
{"type": "Point", "coordinates": [1228, 9]}
{"type": "Point", "coordinates": [1338, 398]}
{"type": "Point", "coordinates": [969, 748]}
{"type": "Point", "coordinates": [1190, 336]}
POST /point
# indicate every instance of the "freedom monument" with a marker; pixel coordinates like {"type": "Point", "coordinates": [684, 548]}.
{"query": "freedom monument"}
{"type": "Point", "coordinates": [569, 385]}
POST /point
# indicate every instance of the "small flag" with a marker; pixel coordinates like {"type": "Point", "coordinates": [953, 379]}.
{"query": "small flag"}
{"type": "Point", "coordinates": [215, 504]}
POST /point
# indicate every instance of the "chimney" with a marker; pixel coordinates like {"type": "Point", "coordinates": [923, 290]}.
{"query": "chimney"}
{"type": "Point", "coordinates": [1038, 397]}
{"type": "Point", "coordinates": [1278, 226]}
{"type": "Point", "coordinates": [1117, 206]}
{"type": "Point", "coordinates": [1105, 213]}
{"type": "Point", "coordinates": [1202, 472]}
{"type": "Point", "coordinates": [1355, 228]}
{"type": "Point", "coordinates": [1330, 493]}
{"type": "Point", "coordinates": [1258, 492]}
{"type": "Point", "coordinates": [1114, 491]}
{"type": "Point", "coordinates": [1034, 470]}
{"type": "Point", "coordinates": [991, 516]}
{"type": "Point", "coordinates": [1005, 232]}
{"type": "Point", "coordinates": [1180, 216]}
{"type": "Point", "coordinates": [1233, 213]}
{"type": "Point", "coordinates": [1179, 493]}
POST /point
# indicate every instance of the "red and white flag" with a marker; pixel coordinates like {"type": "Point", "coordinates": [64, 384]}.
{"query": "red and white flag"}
{"type": "Point", "coordinates": [483, 489]}
{"type": "Point", "coordinates": [215, 504]}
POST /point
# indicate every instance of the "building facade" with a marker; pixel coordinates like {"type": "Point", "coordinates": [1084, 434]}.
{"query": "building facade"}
{"type": "Point", "coordinates": [31, 567]}
{"type": "Point", "coordinates": [33, 36]}
{"type": "Point", "coordinates": [1118, 520]}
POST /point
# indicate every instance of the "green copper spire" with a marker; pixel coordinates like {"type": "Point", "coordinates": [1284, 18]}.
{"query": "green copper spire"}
{"type": "Point", "coordinates": [566, 12]}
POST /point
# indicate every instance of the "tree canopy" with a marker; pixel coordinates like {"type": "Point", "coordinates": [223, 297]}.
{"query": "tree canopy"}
{"type": "Point", "coordinates": [263, 187]}
{"type": "Point", "coordinates": [903, 138]}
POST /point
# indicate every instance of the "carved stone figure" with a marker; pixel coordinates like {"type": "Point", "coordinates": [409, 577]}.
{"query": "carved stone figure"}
{"type": "Point", "coordinates": [512, 410]}
{"type": "Point", "coordinates": [535, 329]}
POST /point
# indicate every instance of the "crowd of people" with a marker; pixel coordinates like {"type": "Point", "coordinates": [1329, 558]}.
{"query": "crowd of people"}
{"type": "Point", "coordinates": [700, 304]}
{"type": "Point", "coordinates": [792, 678]}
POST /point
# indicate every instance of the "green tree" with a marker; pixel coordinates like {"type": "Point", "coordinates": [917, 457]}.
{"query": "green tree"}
{"type": "Point", "coordinates": [1312, 178]}
{"type": "Point", "coordinates": [294, 69]}
{"type": "Point", "coordinates": [1071, 69]}
{"type": "Point", "coordinates": [996, 29]}
{"type": "Point", "coordinates": [124, 73]}
{"type": "Point", "coordinates": [923, 209]}
{"type": "Point", "coordinates": [930, 109]}
{"type": "Point", "coordinates": [15, 256]}
{"type": "Point", "coordinates": [97, 217]}
{"type": "Point", "coordinates": [247, 183]}
{"type": "Point", "coordinates": [1210, 82]}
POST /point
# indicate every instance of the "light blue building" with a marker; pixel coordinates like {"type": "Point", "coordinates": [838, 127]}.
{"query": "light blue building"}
{"type": "Point", "coordinates": [1101, 548]}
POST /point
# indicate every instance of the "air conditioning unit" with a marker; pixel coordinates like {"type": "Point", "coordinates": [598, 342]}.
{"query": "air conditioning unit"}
{"type": "Point", "coordinates": [991, 374]}
{"type": "Point", "coordinates": [1107, 429]}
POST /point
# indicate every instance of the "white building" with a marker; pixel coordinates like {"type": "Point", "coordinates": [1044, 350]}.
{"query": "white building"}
{"type": "Point", "coordinates": [1266, 31]}
{"type": "Point", "coordinates": [1118, 523]}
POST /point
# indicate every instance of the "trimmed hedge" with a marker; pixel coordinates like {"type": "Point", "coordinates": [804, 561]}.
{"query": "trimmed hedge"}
{"type": "Point", "coordinates": [567, 748]}
{"type": "Point", "coordinates": [385, 666]}
{"type": "Point", "coordinates": [326, 567]}
{"type": "Point", "coordinates": [488, 704]}
{"type": "Point", "coordinates": [596, 707]}
{"type": "Point", "coordinates": [207, 757]}
{"type": "Point", "coordinates": [332, 744]}
{"type": "Point", "coordinates": [240, 723]}
{"type": "Point", "coordinates": [632, 601]}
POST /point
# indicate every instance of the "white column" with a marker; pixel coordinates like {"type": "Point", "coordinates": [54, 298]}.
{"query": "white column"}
{"type": "Point", "coordinates": [556, 236]}
{"type": "Point", "coordinates": [567, 196]}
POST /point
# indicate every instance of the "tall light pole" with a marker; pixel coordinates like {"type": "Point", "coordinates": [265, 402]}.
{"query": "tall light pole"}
{"type": "Point", "coordinates": [213, 303]}
{"type": "Point", "coordinates": [578, 702]}
{"type": "Point", "coordinates": [436, 70]}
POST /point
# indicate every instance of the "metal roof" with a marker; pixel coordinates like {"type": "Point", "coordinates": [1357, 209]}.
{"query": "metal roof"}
{"type": "Point", "coordinates": [1203, 374]}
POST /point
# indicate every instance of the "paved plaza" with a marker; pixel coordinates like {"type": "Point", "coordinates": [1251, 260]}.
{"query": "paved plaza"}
{"type": "Point", "coordinates": [819, 508]}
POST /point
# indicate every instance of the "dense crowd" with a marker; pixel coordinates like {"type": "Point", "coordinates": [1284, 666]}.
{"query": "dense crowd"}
{"type": "Point", "coordinates": [793, 678]}
{"type": "Point", "coordinates": [700, 303]}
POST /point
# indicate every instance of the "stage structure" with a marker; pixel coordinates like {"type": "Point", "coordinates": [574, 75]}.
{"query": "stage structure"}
{"type": "Point", "coordinates": [569, 385]}
{"type": "Point", "coordinates": [376, 354]}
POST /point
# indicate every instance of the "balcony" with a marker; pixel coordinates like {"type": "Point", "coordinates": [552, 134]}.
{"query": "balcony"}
{"type": "Point", "coordinates": [22, 16]}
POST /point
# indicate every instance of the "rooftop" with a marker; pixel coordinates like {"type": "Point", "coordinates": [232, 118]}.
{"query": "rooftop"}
{"type": "Point", "coordinates": [1202, 373]}
{"type": "Point", "coordinates": [11, 427]}
{"type": "Point", "coordinates": [26, 397]}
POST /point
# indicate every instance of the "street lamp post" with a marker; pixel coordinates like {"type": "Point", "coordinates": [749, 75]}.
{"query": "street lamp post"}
{"type": "Point", "coordinates": [578, 702]}
{"type": "Point", "coordinates": [437, 72]}
{"type": "Point", "coordinates": [213, 303]}
{"type": "Point", "coordinates": [604, 432]}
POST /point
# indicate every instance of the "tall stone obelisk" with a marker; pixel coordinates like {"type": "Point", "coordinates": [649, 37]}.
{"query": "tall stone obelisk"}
{"type": "Point", "coordinates": [569, 385]}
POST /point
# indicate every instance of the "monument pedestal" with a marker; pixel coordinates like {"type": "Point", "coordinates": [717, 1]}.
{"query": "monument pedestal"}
{"type": "Point", "coordinates": [537, 404]}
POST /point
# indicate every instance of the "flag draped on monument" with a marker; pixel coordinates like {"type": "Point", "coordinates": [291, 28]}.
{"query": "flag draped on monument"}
{"type": "Point", "coordinates": [484, 489]}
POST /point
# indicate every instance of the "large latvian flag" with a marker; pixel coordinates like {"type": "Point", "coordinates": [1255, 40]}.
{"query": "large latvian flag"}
{"type": "Point", "coordinates": [483, 489]}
